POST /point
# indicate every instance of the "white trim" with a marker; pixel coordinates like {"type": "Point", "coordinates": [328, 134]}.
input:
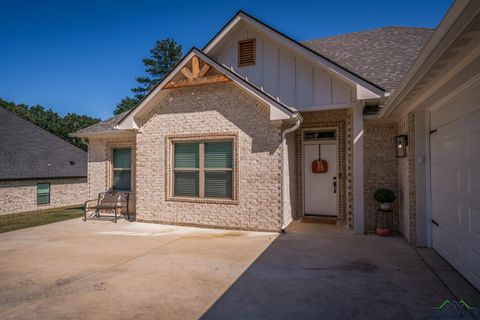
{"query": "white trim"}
{"type": "Point", "coordinates": [428, 180]}
{"type": "Point", "coordinates": [334, 106]}
{"type": "Point", "coordinates": [358, 185]}
{"type": "Point", "coordinates": [453, 23]}
{"type": "Point", "coordinates": [452, 94]}
{"type": "Point", "coordinates": [298, 49]}
{"type": "Point", "coordinates": [283, 177]}
{"type": "Point", "coordinates": [332, 141]}
{"type": "Point", "coordinates": [420, 153]}
{"type": "Point", "coordinates": [279, 111]}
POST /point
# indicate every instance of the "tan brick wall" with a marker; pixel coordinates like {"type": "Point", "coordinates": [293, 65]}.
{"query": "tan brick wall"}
{"type": "Point", "coordinates": [100, 165]}
{"type": "Point", "coordinates": [406, 180]}
{"type": "Point", "coordinates": [380, 168]}
{"type": "Point", "coordinates": [219, 108]}
{"type": "Point", "coordinates": [291, 201]}
{"type": "Point", "coordinates": [21, 196]}
{"type": "Point", "coordinates": [349, 168]}
{"type": "Point", "coordinates": [340, 120]}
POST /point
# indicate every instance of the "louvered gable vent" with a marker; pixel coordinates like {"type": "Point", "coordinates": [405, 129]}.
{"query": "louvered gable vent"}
{"type": "Point", "coordinates": [246, 52]}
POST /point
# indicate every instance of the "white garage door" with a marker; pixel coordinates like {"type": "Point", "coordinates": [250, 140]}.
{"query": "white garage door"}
{"type": "Point", "coordinates": [455, 182]}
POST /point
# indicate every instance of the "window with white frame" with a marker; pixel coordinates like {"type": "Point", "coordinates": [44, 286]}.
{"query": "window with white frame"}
{"type": "Point", "coordinates": [122, 169]}
{"type": "Point", "coordinates": [203, 169]}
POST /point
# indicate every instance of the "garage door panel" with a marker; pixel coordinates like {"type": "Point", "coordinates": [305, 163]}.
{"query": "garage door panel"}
{"type": "Point", "coordinates": [473, 142]}
{"type": "Point", "coordinates": [445, 147]}
{"type": "Point", "coordinates": [446, 211]}
{"type": "Point", "coordinates": [444, 115]}
{"type": "Point", "coordinates": [473, 182]}
{"type": "Point", "coordinates": [474, 222]}
{"type": "Point", "coordinates": [455, 182]}
{"type": "Point", "coordinates": [445, 178]}
{"type": "Point", "coordinates": [475, 267]}
{"type": "Point", "coordinates": [449, 246]}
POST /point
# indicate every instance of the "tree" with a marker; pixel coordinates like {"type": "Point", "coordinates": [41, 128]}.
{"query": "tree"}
{"type": "Point", "coordinates": [126, 104]}
{"type": "Point", "coordinates": [163, 58]}
{"type": "Point", "coordinates": [52, 121]}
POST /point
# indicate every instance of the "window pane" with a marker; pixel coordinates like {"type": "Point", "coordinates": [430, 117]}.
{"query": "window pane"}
{"type": "Point", "coordinates": [186, 155]}
{"type": "Point", "coordinates": [122, 180]}
{"type": "Point", "coordinates": [186, 183]}
{"type": "Point", "coordinates": [218, 184]}
{"type": "Point", "coordinates": [43, 193]}
{"type": "Point", "coordinates": [43, 188]}
{"type": "Point", "coordinates": [218, 154]}
{"type": "Point", "coordinates": [122, 158]}
{"type": "Point", "coordinates": [43, 199]}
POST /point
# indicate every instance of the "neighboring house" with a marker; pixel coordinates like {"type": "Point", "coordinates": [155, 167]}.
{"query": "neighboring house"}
{"type": "Point", "coordinates": [228, 138]}
{"type": "Point", "coordinates": [38, 170]}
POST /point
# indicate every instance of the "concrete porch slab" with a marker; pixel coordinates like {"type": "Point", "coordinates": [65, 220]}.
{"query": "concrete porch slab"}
{"type": "Point", "coordinates": [103, 270]}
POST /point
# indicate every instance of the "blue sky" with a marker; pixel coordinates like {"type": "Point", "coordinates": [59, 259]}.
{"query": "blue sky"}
{"type": "Point", "coordinates": [83, 56]}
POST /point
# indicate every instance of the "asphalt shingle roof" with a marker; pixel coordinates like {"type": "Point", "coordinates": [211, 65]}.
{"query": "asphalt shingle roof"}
{"type": "Point", "coordinates": [28, 151]}
{"type": "Point", "coordinates": [382, 56]}
{"type": "Point", "coordinates": [103, 126]}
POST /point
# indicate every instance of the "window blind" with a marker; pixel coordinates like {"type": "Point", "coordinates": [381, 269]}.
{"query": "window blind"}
{"type": "Point", "coordinates": [122, 169]}
{"type": "Point", "coordinates": [43, 193]}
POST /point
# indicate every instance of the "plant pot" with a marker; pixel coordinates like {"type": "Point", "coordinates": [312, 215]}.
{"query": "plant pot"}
{"type": "Point", "coordinates": [383, 232]}
{"type": "Point", "coordinates": [385, 205]}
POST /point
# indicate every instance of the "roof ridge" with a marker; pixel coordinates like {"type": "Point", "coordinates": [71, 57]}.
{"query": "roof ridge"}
{"type": "Point", "coordinates": [365, 31]}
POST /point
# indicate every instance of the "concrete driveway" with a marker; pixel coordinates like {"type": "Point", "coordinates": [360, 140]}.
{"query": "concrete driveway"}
{"type": "Point", "coordinates": [101, 270]}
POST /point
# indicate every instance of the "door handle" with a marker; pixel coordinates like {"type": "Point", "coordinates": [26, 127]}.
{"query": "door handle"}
{"type": "Point", "coordinates": [334, 184]}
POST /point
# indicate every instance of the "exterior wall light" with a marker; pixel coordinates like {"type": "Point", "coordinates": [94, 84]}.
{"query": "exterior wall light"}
{"type": "Point", "coordinates": [401, 143]}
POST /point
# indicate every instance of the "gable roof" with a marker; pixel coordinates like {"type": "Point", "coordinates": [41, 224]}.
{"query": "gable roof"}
{"type": "Point", "coordinates": [283, 111]}
{"type": "Point", "coordinates": [28, 151]}
{"type": "Point", "coordinates": [296, 46]}
{"type": "Point", "coordinates": [382, 56]}
{"type": "Point", "coordinates": [377, 59]}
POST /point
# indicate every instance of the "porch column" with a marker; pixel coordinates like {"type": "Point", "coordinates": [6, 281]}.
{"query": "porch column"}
{"type": "Point", "coordinates": [358, 192]}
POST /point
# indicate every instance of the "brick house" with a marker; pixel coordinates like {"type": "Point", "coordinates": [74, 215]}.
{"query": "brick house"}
{"type": "Point", "coordinates": [38, 170]}
{"type": "Point", "coordinates": [228, 138]}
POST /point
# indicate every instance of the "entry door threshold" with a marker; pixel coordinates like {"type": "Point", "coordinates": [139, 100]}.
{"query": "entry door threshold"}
{"type": "Point", "coordinates": [320, 219]}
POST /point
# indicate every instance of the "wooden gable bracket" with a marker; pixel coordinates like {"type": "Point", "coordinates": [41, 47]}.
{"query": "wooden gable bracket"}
{"type": "Point", "coordinates": [196, 76]}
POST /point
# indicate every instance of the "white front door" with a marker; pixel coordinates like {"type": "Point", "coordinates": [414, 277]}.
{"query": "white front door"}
{"type": "Point", "coordinates": [321, 189]}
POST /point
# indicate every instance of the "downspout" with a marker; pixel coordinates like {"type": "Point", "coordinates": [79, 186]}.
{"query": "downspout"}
{"type": "Point", "coordinates": [299, 120]}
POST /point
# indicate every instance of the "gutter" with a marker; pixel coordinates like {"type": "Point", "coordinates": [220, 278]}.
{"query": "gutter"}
{"type": "Point", "coordinates": [297, 124]}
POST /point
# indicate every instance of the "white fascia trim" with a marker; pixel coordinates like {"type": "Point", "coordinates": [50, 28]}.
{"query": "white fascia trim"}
{"type": "Point", "coordinates": [129, 122]}
{"type": "Point", "coordinates": [342, 73]}
{"type": "Point", "coordinates": [425, 60]}
{"type": "Point", "coordinates": [222, 34]}
{"type": "Point", "coordinates": [280, 113]}
{"type": "Point", "coordinates": [103, 133]}
{"type": "Point", "coordinates": [334, 106]}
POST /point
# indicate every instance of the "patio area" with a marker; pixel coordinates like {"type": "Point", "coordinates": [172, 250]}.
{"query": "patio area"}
{"type": "Point", "coordinates": [102, 270]}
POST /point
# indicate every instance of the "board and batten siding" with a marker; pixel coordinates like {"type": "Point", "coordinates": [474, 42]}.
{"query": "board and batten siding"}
{"type": "Point", "coordinates": [278, 71]}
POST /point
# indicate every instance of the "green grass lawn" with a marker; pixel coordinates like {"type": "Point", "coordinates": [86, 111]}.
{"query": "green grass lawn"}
{"type": "Point", "coordinates": [15, 221]}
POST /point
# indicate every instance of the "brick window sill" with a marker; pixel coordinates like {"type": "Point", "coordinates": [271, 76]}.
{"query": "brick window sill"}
{"type": "Point", "coordinates": [204, 200]}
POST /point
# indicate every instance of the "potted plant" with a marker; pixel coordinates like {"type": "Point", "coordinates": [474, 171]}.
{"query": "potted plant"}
{"type": "Point", "coordinates": [385, 197]}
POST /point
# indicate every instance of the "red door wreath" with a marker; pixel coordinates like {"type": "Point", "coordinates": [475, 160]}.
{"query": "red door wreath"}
{"type": "Point", "coordinates": [319, 165]}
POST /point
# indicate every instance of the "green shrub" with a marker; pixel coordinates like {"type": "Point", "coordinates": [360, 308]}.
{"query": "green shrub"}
{"type": "Point", "coordinates": [384, 195]}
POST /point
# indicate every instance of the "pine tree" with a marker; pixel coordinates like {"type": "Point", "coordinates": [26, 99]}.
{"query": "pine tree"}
{"type": "Point", "coordinates": [163, 57]}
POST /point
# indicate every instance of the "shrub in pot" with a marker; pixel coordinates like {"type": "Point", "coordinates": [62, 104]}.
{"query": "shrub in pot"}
{"type": "Point", "coordinates": [385, 197]}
